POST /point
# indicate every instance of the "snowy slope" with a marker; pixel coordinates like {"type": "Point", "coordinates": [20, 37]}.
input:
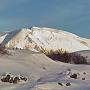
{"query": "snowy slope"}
{"type": "Point", "coordinates": [44, 38]}
{"type": "Point", "coordinates": [42, 72]}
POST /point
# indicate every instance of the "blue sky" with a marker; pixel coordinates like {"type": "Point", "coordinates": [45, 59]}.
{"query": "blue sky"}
{"type": "Point", "coordinates": [70, 15]}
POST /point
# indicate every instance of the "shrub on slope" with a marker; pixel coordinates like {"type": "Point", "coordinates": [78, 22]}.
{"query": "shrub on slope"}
{"type": "Point", "coordinates": [64, 56]}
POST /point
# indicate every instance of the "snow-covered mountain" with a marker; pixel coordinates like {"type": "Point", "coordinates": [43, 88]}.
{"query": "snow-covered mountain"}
{"type": "Point", "coordinates": [41, 72]}
{"type": "Point", "coordinates": [37, 38]}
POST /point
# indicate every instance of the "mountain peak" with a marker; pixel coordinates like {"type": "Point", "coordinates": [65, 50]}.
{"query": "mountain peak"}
{"type": "Point", "coordinates": [38, 38]}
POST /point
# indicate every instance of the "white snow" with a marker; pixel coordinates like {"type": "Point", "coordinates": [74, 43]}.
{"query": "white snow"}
{"type": "Point", "coordinates": [47, 38]}
{"type": "Point", "coordinates": [43, 73]}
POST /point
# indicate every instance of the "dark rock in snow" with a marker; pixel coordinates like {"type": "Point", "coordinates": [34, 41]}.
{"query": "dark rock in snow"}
{"type": "Point", "coordinates": [74, 76]}
{"type": "Point", "coordinates": [60, 84]}
{"type": "Point", "coordinates": [68, 84]}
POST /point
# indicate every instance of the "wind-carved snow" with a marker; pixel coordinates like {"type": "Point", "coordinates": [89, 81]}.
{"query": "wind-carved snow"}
{"type": "Point", "coordinates": [45, 38]}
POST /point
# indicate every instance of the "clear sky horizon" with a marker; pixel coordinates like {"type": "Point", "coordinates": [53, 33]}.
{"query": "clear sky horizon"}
{"type": "Point", "coordinates": [69, 15]}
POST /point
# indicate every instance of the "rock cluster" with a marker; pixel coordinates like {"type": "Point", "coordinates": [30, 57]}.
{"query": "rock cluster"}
{"type": "Point", "coordinates": [73, 75]}
{"type": "Point", "coordinates": [13, 79]}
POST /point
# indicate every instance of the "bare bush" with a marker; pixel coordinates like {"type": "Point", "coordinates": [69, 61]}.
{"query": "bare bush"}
{"type": "Point", "coordinates": [78, 59]}
{"type": "Point", "coordinates": [64, 56]}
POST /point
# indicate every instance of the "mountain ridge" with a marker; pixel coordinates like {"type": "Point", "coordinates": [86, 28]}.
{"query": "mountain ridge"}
{"type": "Point", "coordinates": [37, 38]}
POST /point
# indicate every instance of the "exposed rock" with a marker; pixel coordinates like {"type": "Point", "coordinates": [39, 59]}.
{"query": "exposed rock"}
{"type": "Point", "coordinates": [73, 76]}
{"type": "Point", "coordinates": [84, 73]}
{"type": "Point", "coordinates": [6, 79]}
{"type": "Point", "coordinates": [68, 84]}
{"type": "Point", "coordinates": [16, 79]}
{"type": "Point", "coordinates": [83, 78]}
{"type": "Point", "coordinates": [12, 78]}
{"type": "Point", "coordinates": [60, 84]}
{"type": "Point", "coordinates": [23, 78]}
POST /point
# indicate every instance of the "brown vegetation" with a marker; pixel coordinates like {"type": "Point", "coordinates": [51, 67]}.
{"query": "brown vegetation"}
{"type": "Point", "coordinates": [64, 56]}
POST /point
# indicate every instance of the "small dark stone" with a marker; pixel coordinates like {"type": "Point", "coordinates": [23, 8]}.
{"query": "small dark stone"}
{"type": "Point", "coordinates": [74, 76]}
{"type": "Point", "coordinates": [6, 79]}
{"type": "Point", "coordinates": [83, 78]}
{"type": "Point", "coordinates": [11, 80]}
{"type": "Point", "coordinates": [60, 84]}
{"type": "Point", "coordinates": [16, 79]}
{"type": "Point", "coordinates": [68, 84]}
{"type": "Point", "coordinates": [23, 78]}
{"type": "Point", "coordinates": [84, 73]}
{"type": "Point", "coordinates": [44, 68]}
{"type": "Point", "coordinates": [69, 69]}
{"type": "Point", "coordinates": [3, 79]}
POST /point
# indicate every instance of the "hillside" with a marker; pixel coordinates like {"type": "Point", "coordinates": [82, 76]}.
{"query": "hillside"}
{"type": "Point", "coordinates": [23, 67]}
{"type": "Point", "coordinates": [41, 72]}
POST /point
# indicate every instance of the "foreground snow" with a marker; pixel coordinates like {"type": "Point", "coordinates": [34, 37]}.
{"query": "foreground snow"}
{"type": "Point", "coordinates": [42, 72]}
